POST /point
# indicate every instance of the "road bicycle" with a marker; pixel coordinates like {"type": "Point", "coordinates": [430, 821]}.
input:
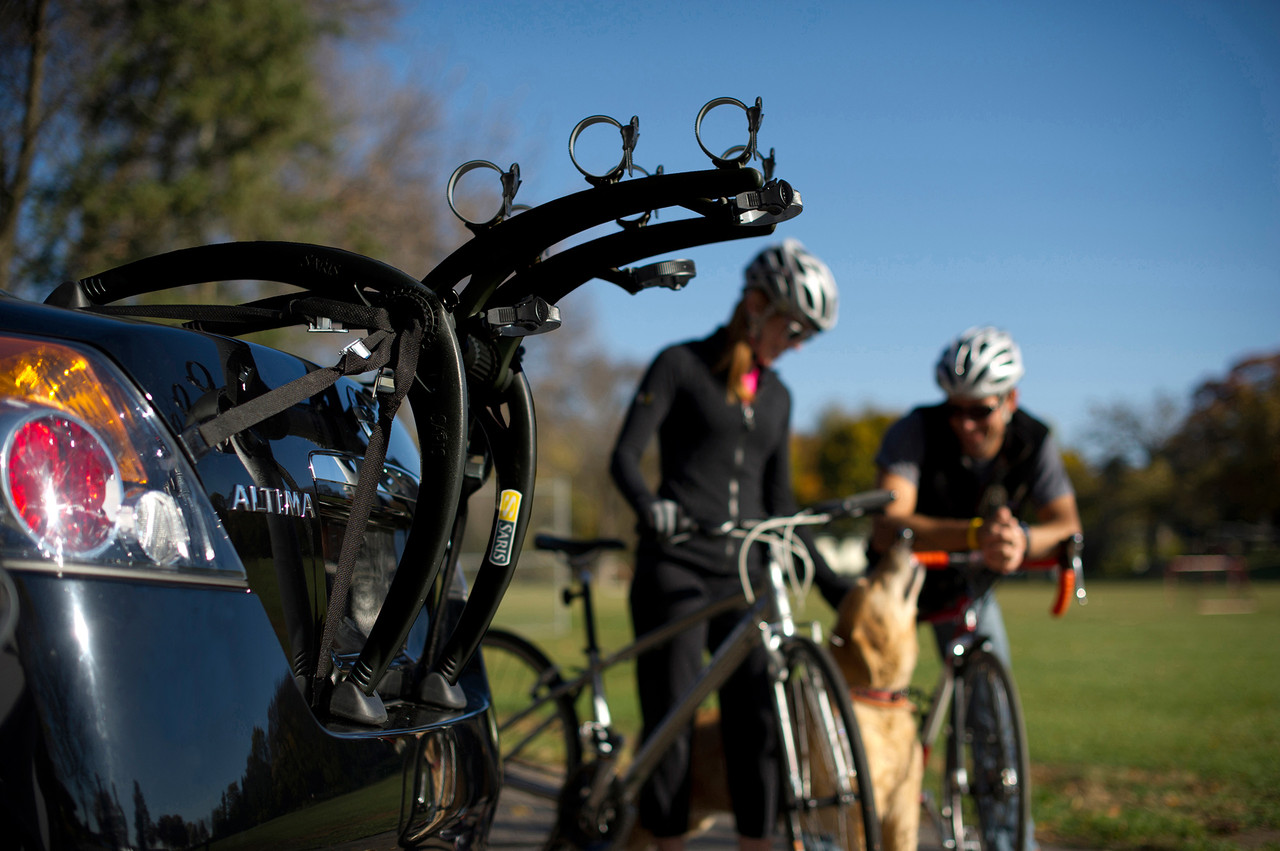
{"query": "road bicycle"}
{"type": "Point", "coordinates": [571, 774]}
{"type": "Point", "coordinates": [985, 781]}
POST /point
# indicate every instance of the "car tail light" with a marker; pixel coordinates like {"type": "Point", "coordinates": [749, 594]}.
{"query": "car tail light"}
{"type": "Point", "coordinates": [62, 484]}
{"type": "Point", "coordinates": [90, 478]}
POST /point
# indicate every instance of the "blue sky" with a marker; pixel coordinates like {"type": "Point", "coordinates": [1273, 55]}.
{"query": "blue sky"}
{"type": "Point", "coordinates": [1101, 178]}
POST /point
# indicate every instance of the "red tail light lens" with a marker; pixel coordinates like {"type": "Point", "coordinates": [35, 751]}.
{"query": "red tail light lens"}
{"type": "Point", "coordinates": [62, 484]}
{"type": "Point", "coordinates": [91, 480]}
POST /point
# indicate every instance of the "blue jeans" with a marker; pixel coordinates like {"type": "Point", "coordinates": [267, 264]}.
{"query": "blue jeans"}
{"type": "Point", "coordinates": [999, 824]}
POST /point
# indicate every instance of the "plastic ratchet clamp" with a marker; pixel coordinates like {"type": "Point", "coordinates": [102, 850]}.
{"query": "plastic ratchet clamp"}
{"type": "Point", "coordinates": [630, 136]}
{"type": "Point", "coordinates": [510, 185]}
{"type": "Point", "coordinates": [755, 115]}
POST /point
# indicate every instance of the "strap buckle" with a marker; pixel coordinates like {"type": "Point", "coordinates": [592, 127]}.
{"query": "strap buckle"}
{"type": "Point", "coordinates": [745, 153]}
{"type": "Point", "coordinates": [324, 325]}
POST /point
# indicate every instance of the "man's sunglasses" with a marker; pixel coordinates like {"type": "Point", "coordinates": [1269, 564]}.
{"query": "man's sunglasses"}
{"type": "Point", "coordinates": [973, 413]}
{"type": "Point", "coordinates": [798, 332]}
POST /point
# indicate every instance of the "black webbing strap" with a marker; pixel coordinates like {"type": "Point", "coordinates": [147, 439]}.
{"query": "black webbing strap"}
{"type": "Point", "coordinates": [200, 438]}
{"type": "Point", "coordinates": [244, 314]}
{"type": "Point", "coordinates": [408, 344]}
{"type": "Point", "coordinates": [386, 344]}
{"type": "Point", "coordinates": [370, 353]}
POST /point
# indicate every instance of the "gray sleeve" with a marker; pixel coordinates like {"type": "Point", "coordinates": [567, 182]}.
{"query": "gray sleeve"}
{"type": "Point", "coordinates": [902, 449]}
{"type": "Point", "coordinates": [1050, 479]}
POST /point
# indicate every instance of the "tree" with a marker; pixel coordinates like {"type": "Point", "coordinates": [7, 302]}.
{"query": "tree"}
{"type": "Point", "coordinates": [1128, 508]}
{"type": "Point", "coordinates": [130, 128]}
{"type": "Point", "coordinates": [582, 394]}
{"type": "Point", "coordinates": [1227, 453]}
{"type": "Point", "coordinates": [1134, 433]}
{"type": "Point", "coordinates": [142, 827]}
{"type": "Point", "coordinates": [1169, 483]}
{"type": "Point", "coordinates": [840, 458]}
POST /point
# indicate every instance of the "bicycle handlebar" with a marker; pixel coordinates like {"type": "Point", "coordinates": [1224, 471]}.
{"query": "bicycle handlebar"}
{"type": "Point", "coordinates": [1067, 561]}
{"type": "Point", "coordinates": [780, 530]}
{"type": "Point", "coordinates": [856, 505]}
{"type": "Point", "coordinates": [818, 514]}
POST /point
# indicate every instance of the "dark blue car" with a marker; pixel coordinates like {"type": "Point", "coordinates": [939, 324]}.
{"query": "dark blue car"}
{"type": "Point", "coordinates": [161, 609]}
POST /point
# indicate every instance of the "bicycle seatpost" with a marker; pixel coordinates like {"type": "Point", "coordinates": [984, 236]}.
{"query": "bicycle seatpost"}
{"type": "Point", "coordinates": [588, 610]}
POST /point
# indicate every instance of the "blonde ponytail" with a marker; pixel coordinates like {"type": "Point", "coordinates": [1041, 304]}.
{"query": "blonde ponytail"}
{"type": "Point", "coordinates": [738, 358]}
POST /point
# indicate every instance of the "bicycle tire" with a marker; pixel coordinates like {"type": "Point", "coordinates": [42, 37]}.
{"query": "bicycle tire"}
{"type": "Point", "coordinates": [828, 802]}
{"type": "Point", "coordinates": [992, 809]}
{"type": "Point", "coordinates": [539, 750]}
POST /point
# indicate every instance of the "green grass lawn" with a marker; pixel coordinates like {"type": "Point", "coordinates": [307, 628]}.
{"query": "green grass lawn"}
{"type": "Point", "coordinates": [1152, 726]}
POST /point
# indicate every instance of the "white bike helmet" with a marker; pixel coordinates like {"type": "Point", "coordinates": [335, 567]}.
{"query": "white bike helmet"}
{"type": "Point", "coordinates": [980, 362]}
{"type": "Point", "coordinates": [796, 282]}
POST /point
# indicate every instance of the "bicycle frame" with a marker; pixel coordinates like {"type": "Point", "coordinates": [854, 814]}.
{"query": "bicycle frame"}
{"type": "Point", "coordinates": [945, 698]}
{"type": "Point", "coordinates": [599, 793]}
{"type": "Point", "coordinates": [755, 625]}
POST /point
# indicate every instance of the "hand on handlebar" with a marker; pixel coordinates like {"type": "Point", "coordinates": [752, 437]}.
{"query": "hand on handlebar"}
{"type": "Point", "coordinates": [1002, 541]}
{"type": "Point", "coordinates": [666, 518]}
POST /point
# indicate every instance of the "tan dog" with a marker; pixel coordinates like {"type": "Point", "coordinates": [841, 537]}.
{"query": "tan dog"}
{"type": "Point", "coordinates": [875, 645]}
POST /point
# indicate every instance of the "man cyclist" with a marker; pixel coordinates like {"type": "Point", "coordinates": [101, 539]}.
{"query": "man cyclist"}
{"type": "Point", "coordinates": [966, 473]}
{"type": "Point", "coordinates": [721, 417]}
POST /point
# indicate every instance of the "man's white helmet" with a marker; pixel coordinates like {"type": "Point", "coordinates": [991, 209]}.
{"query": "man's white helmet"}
{"type": "Point", "coordinates": [796, 282]}
{"type": "Point", "coordinates": [983, 361]}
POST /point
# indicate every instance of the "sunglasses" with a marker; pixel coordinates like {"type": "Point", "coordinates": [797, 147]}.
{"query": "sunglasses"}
{"type": "Point", "coordinates": [973, 413]}
{"type": "Point", "coordinates": [798, 332]}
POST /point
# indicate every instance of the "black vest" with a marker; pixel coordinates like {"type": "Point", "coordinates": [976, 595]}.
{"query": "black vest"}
{"type": "Point", "coordinates": [949, 488]}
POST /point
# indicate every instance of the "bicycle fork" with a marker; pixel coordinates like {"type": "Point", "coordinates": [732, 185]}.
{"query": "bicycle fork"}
{"type": "Point", "coordinates": [949, 703]}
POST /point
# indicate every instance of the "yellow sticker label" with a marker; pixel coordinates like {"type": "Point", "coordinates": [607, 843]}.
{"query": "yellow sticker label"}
{"type": "Point", "coordinates": [504, 532]}
{"type": "Point", "coordinates": [509, 505]}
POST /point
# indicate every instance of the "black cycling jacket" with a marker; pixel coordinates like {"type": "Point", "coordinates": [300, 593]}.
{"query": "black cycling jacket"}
{"type": "Point", "coordinates": [720, 461]}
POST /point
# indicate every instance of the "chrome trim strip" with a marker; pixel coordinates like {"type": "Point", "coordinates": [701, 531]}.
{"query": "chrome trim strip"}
{"type": "Point", "coordinates": [222, 579]}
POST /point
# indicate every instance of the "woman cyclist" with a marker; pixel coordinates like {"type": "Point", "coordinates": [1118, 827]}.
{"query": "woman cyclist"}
{"type": "Point", "coordinates": [722, 419]}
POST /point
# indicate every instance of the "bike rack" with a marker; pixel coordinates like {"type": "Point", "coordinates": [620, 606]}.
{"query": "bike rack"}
{"type": "Point", "coordinates": [478, 304]}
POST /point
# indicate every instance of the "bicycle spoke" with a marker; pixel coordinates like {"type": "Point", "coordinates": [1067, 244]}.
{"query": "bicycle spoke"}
{"type": "Point", "coordinates": [830, 804]}
{"type": "Point", "coordinates": [989, 787]}
{"type": "Point", "coordinates": [538, 741]}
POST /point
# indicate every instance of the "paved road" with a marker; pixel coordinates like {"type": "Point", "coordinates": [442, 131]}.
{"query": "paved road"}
{"type": "Point", "coordinates": [522, 824]}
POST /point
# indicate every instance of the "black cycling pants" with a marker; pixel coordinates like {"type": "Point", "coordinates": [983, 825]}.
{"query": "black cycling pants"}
{"type": "Point", "coordinates": [663, 591]}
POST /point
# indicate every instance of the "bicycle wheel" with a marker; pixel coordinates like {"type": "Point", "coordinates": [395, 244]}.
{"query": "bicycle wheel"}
{"type": "Point", "coordinates": [537, 738]}
{"type": "Point", "coordinates": [828, 801]}
{"type": "Point", "coordinates": [988, 790]}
